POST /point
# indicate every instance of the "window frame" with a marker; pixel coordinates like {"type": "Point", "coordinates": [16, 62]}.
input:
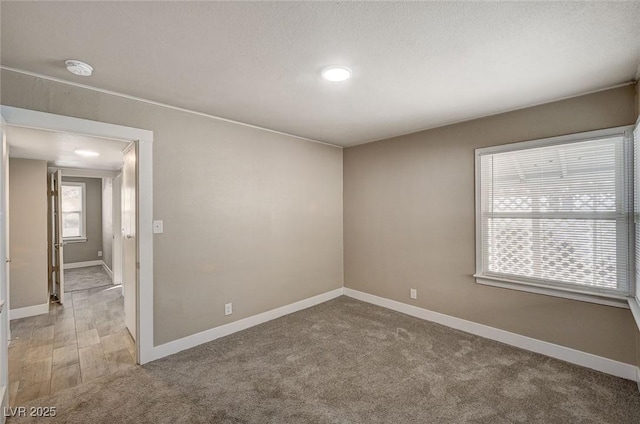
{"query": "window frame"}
{"type": "Point", "coordinates": [575, 293]}
{"type": "Point", "coordinates": [83, 213]}
{"type": "Point", "coordinates": [634, 302]}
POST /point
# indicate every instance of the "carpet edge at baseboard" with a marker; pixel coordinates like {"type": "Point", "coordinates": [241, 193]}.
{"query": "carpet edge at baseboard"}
{"type": "Point", "coordinates": [574, 356]}
{"type": "Point", "coordinates": [211, 334]}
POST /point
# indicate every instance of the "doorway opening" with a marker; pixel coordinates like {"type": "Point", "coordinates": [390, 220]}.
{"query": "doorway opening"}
{"type": "Point", "coordinates": [82, 336]}
{"type": "Point", "coordinates": [86, 323]}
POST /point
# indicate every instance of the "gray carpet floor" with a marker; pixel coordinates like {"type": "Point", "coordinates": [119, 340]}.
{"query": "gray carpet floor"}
{"type": "Point", "coordinates": [346, 361]}
{"type": "Point", "coordinates": [88, 277]}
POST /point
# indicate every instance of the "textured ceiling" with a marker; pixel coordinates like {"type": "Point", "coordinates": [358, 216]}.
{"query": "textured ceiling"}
{"type": "Point", "coordinates": [58, 149]}
{"type": "Point", "coordinates": [416, 65]}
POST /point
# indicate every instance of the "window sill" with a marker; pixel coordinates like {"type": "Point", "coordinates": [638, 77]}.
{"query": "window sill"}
{"type": "Point", "coordinates": [75, 240]}
{"type": "Point", "coordinates": [618, 302]}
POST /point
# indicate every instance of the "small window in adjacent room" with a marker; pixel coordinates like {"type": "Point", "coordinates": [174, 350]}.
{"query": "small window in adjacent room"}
{"type": "Point", "coordinates": [73, 211]}
{"type": "Point", "coordinates": [554, 216]}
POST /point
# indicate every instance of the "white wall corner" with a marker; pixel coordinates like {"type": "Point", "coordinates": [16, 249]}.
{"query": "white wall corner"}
{"type": "Point", "coordinates": [107, 270]}
{"type": "Point", "coordinates": [242, 324]}
{"type": "Point", "coordinates": [635, 311]}
{"type": "Point", "coordinates": [29, 311]}
{"type": "Point", "coordinates": [588, 360]}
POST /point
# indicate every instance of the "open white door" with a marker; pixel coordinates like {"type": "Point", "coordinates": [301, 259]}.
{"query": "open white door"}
{"type": "Point", "coordinates": [57, 274]}
{"type": "Point", "coordinates": [129, 239]}
{"type": "Point", "coordinates": [4, 270]}
{"type": "Point", "coordinates": [117, 229]}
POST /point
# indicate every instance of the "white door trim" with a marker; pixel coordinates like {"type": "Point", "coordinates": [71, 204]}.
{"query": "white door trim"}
{"type": "Point", "coordinates": [117, 229]}
{"type": "Point", "coordinates": [5, 333]}
{"type": "Point", "coordinates": [82, 173]}
{"type": "Point", "coordinates": [144, 138]}
{"type": "Point", "coordinates": [130, 238]}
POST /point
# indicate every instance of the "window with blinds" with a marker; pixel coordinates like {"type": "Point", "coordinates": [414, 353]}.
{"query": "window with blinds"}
{"type": "Point", "coordinates": [556, 213]}
{"type": "Point", "coordinates": [73, 210]}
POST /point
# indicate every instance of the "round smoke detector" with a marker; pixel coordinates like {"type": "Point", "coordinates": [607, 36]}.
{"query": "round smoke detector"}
{"type": "Point", "coordinates": [78, 68]}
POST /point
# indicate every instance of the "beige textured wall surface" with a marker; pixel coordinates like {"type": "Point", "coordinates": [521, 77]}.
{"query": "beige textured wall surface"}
{"type": "Point", "coordinates": [88, 251]}
{"type": "Point", "coordinates": [28, 233]}
{"type": "Point", "coordinates": [250, 216]}
{"type": "Point", "coordinates": [409, 222]}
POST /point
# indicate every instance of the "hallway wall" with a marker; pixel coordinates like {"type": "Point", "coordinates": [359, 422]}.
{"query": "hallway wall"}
{"type": "Point", "coordinates": [28, 233]}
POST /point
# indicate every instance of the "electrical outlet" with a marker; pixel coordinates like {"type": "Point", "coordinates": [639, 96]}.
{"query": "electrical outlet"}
{"type": "Point", "coordinates": [99, 253]}
{"type": "Point", "coordinates": [414, 294]}
{"type": "Point", "coordinates": [228, 308]}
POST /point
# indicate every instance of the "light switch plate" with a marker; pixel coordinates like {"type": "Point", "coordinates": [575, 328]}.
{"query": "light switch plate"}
{"type": "Point", "coordinates": [158, 227]}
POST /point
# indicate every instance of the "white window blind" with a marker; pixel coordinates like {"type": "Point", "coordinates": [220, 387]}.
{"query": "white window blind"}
{"type": "Point", "coordinates": [73, 210]}
{"type": "Point", "coordinates": [557, 215]}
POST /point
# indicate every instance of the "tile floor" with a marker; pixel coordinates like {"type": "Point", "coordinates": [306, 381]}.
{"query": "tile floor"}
{"type": "Point", "coordinates": [79, 341]}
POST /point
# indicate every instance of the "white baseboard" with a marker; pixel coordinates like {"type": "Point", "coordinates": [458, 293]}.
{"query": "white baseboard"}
{"type": "Point", "coordinates": [588, 360]}
{"type": "Point", "coordinates": [233, 327]}
{"type": "Point", "coordinates": [28, 311]}
{"type": "Point", "coordinates": [73, 265]}
{"type": "Point", "coordinates": [108, 270]}
{"type": "Point", "coordinates": [638, 377]}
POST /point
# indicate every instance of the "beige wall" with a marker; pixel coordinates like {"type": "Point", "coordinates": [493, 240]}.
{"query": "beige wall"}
{"type": "Point", "coordinates": [88, 251]}
{"type": "Point", "coordinates": [28, 232]}
{"type": "Point", "coordinates": [409, 223]}
{"type": "Point", "coordinates": [250, 216]}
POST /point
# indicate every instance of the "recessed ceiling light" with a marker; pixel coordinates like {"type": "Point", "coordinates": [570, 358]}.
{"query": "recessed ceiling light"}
{"type": "Point", "coordinates": [87, 153]}
{"type": "Point", "coordinates": [78, 68]}
{"type": "Point", "coordinates": [336, 73]}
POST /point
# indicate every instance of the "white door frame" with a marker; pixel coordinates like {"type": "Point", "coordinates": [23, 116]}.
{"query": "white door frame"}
{"type": "Point", "coordinates": [5, 334]}
{"type": "Point", "coordinates": [144, 138]}
{"type": "Point", "coordinates": [128, 227]}
{"type": "Point", "coordinates": [58, 242]}
{"type": "Point", "coordinates": [117, 230]}
{"type": "Point", "coordinates": [112, 175]}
